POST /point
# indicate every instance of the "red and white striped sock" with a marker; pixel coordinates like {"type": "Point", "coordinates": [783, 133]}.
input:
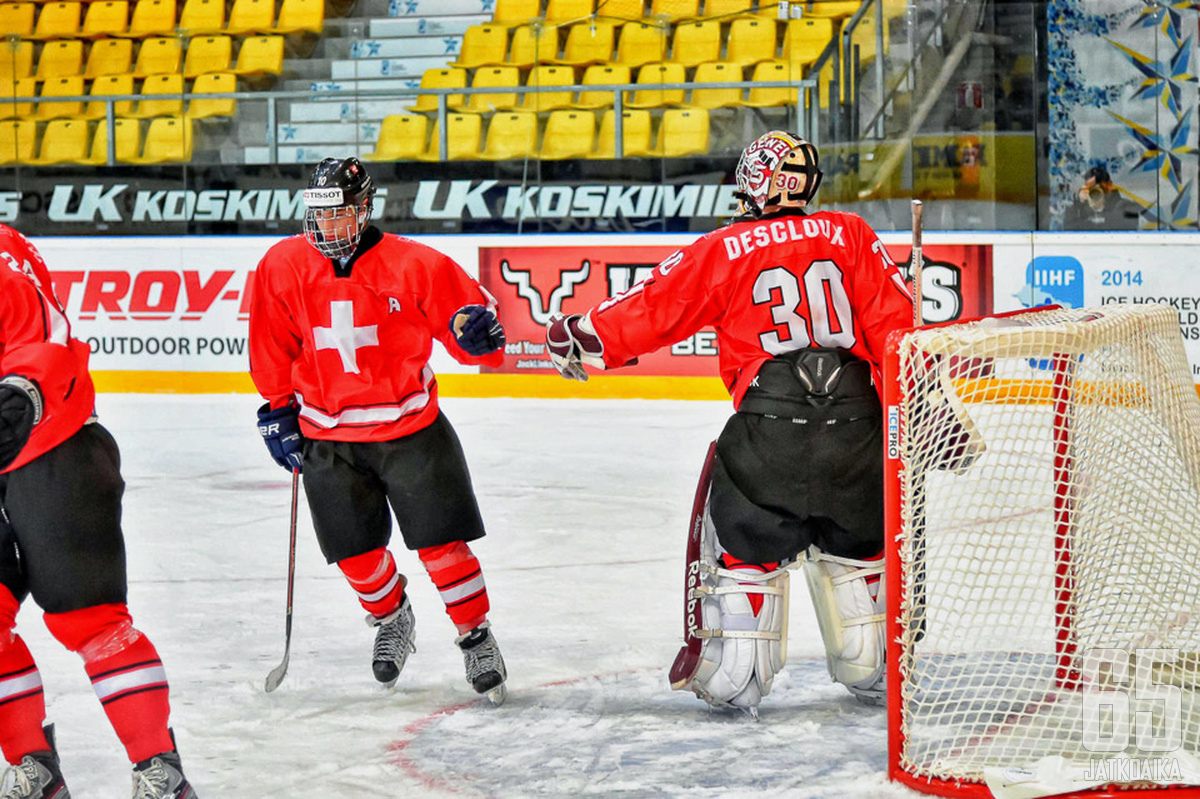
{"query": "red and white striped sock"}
{"type": "Point", "coordinates": [22, 703]}
{"type": "Point", "coordinates": [374, 578]}
{"type": "Point", "coordinates": [456, 573]}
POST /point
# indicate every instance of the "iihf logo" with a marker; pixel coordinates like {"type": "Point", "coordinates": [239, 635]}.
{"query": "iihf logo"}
{"type": "Point", "coordinates": [539, 310]}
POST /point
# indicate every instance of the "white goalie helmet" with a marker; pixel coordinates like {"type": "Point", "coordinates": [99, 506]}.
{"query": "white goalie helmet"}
{"type": "Point", "coordinates": [778, 169]}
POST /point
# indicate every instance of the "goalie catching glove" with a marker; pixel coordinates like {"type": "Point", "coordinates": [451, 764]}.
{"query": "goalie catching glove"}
{"type": "Point", "coordinates": [572, 343]}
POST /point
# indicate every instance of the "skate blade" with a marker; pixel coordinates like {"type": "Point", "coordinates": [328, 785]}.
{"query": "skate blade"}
{"type": "Point", "coordinates": [498, 694]}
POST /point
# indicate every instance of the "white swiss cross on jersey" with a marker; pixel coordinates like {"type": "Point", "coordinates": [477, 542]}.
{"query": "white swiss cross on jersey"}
{"type": "Point", "coordinates": [343, 336]}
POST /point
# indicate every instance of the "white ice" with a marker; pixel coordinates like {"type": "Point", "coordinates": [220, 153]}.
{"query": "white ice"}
{"type": "Point", "coordinates": [586, 505]}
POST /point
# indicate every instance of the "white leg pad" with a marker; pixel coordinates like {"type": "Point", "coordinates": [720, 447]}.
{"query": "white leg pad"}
{"type": "Point", "coordinates": [742, 650]}
{"type": "Point", "coordinates": [851, 622]}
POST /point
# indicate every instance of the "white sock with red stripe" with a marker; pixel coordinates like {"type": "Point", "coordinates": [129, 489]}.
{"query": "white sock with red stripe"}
{"type": "Point", "coordinates": [456, 573]}
{"type": "Point", "coordinates": [373, 576]}
{"type": "Point", "coordinates": [22, 704]}
{"type": "Point", "coordinates": [126, 674]}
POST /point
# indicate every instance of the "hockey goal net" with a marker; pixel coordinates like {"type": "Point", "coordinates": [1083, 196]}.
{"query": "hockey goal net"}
{"type": "Point", "coordinates": [1043, 503]}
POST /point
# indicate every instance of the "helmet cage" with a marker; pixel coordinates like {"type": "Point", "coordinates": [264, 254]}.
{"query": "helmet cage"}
{"type": "Point", "coordinates": [324, 225]}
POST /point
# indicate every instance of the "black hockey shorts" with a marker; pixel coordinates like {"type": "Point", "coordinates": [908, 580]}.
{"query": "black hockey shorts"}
{"type": "Point", "coordinates": [780, 485]}
{"type": "Point", "coordinates": [423, 476]}
{"type": "Point", "coordinates": [62, 539]}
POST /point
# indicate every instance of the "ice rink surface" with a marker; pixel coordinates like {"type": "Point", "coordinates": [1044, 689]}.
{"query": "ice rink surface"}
{"type": "Point", "coordinates": [586, 506]}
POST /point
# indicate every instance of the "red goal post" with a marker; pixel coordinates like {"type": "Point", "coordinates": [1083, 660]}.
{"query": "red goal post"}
{"type": "Point", "coordinates": [1042, 495]}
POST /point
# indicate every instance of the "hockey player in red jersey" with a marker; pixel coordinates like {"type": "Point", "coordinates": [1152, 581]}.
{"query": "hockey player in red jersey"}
{"type": "Point", "coordinates": [342, 323]}
{"type": "Point", "coordinates": [61, 541]}
{"type": "Point", "coordinates": [801, 303]}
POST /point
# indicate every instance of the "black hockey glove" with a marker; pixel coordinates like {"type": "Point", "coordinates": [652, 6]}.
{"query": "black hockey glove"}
{"type": "Point", "coordinates": [477, 330]}
{"type": "Point", "coordinates": [20, 409]}
{"type": "Point", "coordinates": [280, 429]}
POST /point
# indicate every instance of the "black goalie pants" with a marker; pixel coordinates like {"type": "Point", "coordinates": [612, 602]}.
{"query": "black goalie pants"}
{"type": "Point", "coordinates": [780, 485]}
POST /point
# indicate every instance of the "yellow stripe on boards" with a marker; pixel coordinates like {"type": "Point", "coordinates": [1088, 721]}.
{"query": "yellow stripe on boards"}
{"type": "Point", "coordinates": [449, 385]}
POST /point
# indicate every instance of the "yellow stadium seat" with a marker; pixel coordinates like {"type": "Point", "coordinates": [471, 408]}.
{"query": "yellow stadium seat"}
{"type": "Point", "coordinates": [601, 75]}
{"type": "Point", "coordinates": [127, 142]}
{"type": "Point", "coordinates": [864, 39]}
{"type": "Point", "coordinates": [564, 11]}
{"type": "Point", "coordinates": [201, 17]}
{"type": "Point", "coordinates": [533, 44]}
{"type": "Point", "coordinates": [58, 20]}
{"type": "Point", "coordinates": [463, 135]}
{"type": "Point", "coordinates": [301, 16]}
{"type": "Point", "coordinates": [18, 141]}
{"type": "Point", "coordinates": [105, 18]}
{"type": "Point", "coordinates": [65, 141]}
{"type": "Point", "coordinates": [213, 83]}
{"type": "Point", "coordinates": [60, 87]}
{"type": "Point", "coordinates": [60, 59]}
{"type": "Point", "coordinates": [170, 86]}
{"type": "Point", "coordinates": [511, 13]}
{"type": "Point", "coordinates": [482, 46]}
{"type": "Point", "coordinates": [16, 60]}
{"type": "Point", "coordinates": [510, 135]}
{"type": "Point", "coordinates": [657, 75]}
{"type": "Point", "coordinates": [674, 9]}
{"type": "Point", "coordinates": [208, 54]}
{"type": "Point", "coordinates": [641, 43]}
{"type": "Point", "coordinates": [544, 77]}
{"type": "Point", "coordinates": [157, 56]}
{"type": "Point", "coordinates": [619, 11]}
{"type": "Point", "coordinates": [109, 57]}
{"type": "Point", "coordinates": [401, 138]}
{"type": "Point", "coordinates": [831, 8]}
{"type": "Point", "coordinates": [589, 44]}
{"type": "Point", "coordinates": [152, 18]}
{"type": "Point", "coordinates": [750, 41]}
{"type": "Point", "coordinates": [804, 39]}
{"type": "Point", "coordinates": [569, 134]}
{"type": "Point", "coordinates": [728, 9]}
{"type": "Point", "coordinates": [493, 78]}
{"type": "Point", "coordinates": [109, 86]}
{"type": "Point", "coordinates": [260, 55]}
{"type": "Point", "coordinates": [771, 72]}
{"type": "Point", "coordinates": [168, 140]}
{"type": "Point", "coordinates": [451, 78]}
{"type": "Point", "coordinates": [10, 90]}
{"type": "Point", "coordinates": [635, 135]}
{"type": "Point", "coordinates": [716, 72]}
{"type": "Point", "coordinates": [16, 19]}
{"type": "Point", "coordinates": [697, 42]}
{"type": "Point", "coordinates": [682, 132]}
{"type": "Point", "coordinates": [251, 16]}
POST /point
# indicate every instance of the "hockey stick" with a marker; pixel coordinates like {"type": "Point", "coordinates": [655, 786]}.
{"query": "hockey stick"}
{"type": "Point", "coordinates": [918, 209]}
{"type": "Point", "coordinates": [688, 660]}
{"type": "Point", "coordinates": [917, 580]}
{"type": "Point", "coordinates": [277, 674]}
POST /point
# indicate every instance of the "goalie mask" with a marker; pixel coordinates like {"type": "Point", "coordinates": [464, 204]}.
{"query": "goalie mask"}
{"type": "Point", "coordinates": [777, 169]}
{"type": "Point", "coordinates": [337, 206]}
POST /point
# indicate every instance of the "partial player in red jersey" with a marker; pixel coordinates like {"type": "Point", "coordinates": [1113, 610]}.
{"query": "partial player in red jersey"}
{"type": "Point", "coordinates": [61, 541]}
{"type": "Point", "coordinates": [801, 303]}
{"type": "Point", "coordinates": [342, 323]}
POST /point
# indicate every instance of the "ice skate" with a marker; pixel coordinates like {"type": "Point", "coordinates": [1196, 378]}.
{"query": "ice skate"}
{"type": "Point", "coordinates": [161, 777]}
{"type": "Point", "coordinates": [394, 642]}
{"type": "Point", "coordinates": [37, 776]}
{"type": "Point", "coordinates": [483, 662]}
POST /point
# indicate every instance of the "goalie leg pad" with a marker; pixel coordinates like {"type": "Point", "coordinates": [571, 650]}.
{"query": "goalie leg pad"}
{"type": "Point", "coordinates": [744, 628]}
{"type": "Point", "coordinates": [850, 619]}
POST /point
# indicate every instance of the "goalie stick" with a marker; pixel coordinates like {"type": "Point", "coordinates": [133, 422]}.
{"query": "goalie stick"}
{"type": "Point", "coordinates": [918, 209]}
{"type": "Point", "coordinates": [277, 674]}
{"type": "Point", "coordinates": [687, 662]}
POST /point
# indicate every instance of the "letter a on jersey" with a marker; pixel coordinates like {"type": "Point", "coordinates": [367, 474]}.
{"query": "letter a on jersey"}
{"type": "Point", "coordinates": [343, 336]}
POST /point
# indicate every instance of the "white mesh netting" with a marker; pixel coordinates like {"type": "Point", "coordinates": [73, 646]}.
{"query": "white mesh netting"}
{"type": "Point", "coordinates": [1077, 528]}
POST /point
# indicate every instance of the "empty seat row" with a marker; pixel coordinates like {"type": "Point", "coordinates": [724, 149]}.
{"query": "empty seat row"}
{"type": "Point", "coordinates": [101, 18]}
{"type": "Point", "coordinates": [653, 76]}
{"type": "Point", "coordinates": [511, 13]}
{"type": "Point", "coordinates": [163, 93]}
{"type": "Point", "coordinates": [635, 43]}
{"type": "Point", "coordinates": [60, 59]}
{"type": "Point", "coordinates": [71, 141]}
{"type": "Point", "coordinates": [567, 134]}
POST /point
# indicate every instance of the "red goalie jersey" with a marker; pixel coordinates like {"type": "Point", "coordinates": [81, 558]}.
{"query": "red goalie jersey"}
{"type": "Point", "coordinates": [351, 345]}
{"type": "Point", "coordinates": [779, 283]}
{"type": "Point", "coordinates": [36, 343]}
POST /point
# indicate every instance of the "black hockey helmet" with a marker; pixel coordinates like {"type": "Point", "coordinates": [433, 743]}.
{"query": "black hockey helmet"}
{"type": "Point", "coordinates": [337, 206]}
